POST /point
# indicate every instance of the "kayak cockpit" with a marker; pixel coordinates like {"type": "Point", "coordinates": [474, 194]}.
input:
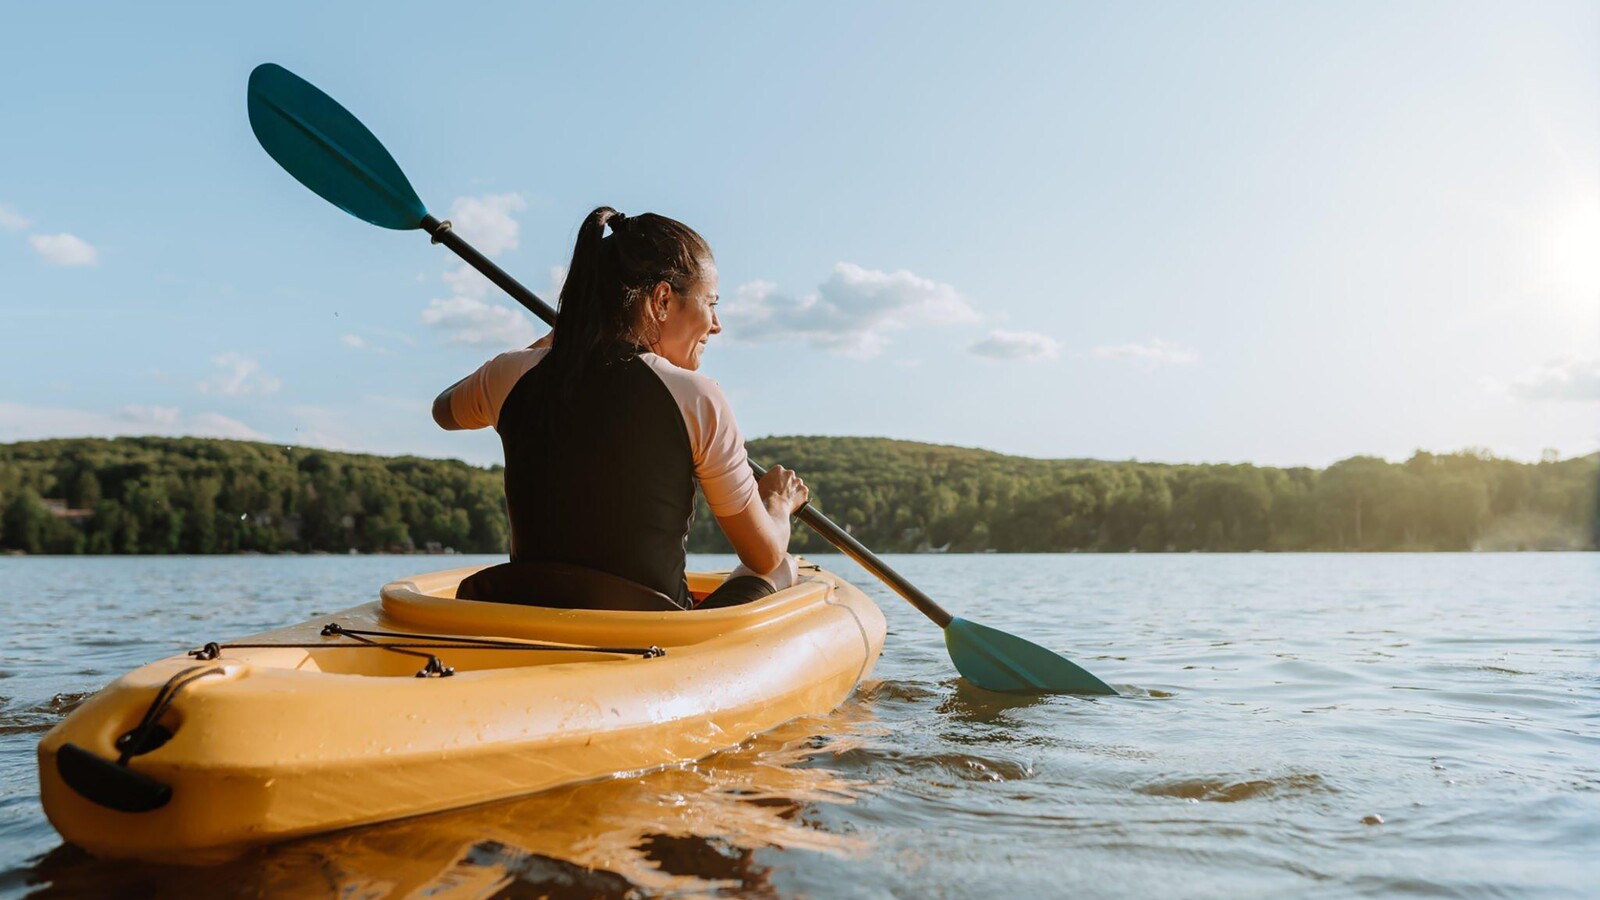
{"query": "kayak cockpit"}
{"type": "Point", "coordinates": [429, 603]}
{"type": "Point", "coordinates": [421, 628]}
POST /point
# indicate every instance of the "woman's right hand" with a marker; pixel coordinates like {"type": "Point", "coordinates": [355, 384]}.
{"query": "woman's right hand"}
{"type": "Point", "coordinates": [783, 491]}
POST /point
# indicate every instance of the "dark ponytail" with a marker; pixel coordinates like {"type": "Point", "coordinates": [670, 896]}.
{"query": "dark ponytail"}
{"type": "Point", "coordinates": [610, 279]}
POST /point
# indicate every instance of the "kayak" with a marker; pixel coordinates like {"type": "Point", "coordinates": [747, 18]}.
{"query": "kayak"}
{"type": "Point", "coordinates": [422, 702]}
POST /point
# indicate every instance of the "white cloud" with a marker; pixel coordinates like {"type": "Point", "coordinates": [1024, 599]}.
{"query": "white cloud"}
{"type": "Point", "coordinates": [11, 220]}
{"type": "Point", "coordinates": [241, 376]}
{"type": "Point", "coordinates": [1154, 352]}
{"type": "Point", "coordinates": [850, 314]}
{"type": "Point", "coordinates": [1027, 346]}
{"type": "Point", "coordinates": [465, 281]}
{"type": "Point", "coordinates": [475, 323]}
{"type": "Point", "coordinates": [486, 222]}
{"type": "Point", "coordinates": [19, 422]}
{"type": "Point", "coordinates": [353, 340]}
{"type": "Point", "coordinates": [63, 249]}
{"type": "Point", "coordinates": [1567, 378]}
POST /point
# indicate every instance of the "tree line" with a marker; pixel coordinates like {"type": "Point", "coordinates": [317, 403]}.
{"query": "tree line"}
{"type": "Point", "coordinates": [199, 496]}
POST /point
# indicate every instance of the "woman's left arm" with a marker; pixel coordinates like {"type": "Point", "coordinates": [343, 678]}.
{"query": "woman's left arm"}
{"type": "Point", "coordinates": [443, 414]}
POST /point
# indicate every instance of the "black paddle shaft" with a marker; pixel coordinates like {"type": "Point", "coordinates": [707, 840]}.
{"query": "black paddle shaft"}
{"type": "Point", "coordinates": [442, 233]}
{"type": "Point", "coordinates": [846, 543]}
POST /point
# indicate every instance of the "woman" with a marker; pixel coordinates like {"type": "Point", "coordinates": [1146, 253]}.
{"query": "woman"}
{"type": "Point", "coordinates": [607, 426]}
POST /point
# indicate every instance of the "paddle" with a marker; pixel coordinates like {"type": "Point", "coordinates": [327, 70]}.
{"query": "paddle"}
{"type": "Point", "coordinates": [987, 657]}
{"type": "Point", "coordinates": [329, 151]}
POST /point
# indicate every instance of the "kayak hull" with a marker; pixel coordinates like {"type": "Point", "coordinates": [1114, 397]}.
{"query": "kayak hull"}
{"type": "Point", "coordinates": [283, 742]}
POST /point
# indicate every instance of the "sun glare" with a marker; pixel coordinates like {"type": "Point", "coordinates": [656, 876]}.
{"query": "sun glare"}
{"type": "Point", "coordinates": [1575, 253]}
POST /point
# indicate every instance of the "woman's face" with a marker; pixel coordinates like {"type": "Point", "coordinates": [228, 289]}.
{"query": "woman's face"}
{"type": "Point", "coordinates": [687, 319]}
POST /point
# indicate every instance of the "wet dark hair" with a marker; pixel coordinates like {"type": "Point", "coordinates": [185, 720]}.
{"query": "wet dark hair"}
{"type": "Point", "coordinates": [611, 278]}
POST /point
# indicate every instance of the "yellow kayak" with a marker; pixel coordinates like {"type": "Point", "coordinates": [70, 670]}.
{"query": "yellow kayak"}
{"type": "Point", "coordinates": [310, 728]}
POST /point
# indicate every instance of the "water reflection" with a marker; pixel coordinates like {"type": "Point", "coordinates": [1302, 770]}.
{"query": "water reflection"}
{"type": "Point", "coordinates": [965, 703]}
{"type": "Point", "coordinates": [690, 830]}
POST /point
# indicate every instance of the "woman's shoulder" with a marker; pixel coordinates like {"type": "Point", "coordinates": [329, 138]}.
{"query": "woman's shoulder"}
{"type": "Point", "coordinates": [524, 356]}
{"type": "Point", "coordinates": [683, 381]}
{"type": "Point", "coordinates": [513, 364]}
{"type": "Point", "coordinates": [713, 434]}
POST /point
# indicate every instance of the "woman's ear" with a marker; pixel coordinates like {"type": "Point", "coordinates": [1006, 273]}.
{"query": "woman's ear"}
{"type": "Point", "coordinates": [660, 300]}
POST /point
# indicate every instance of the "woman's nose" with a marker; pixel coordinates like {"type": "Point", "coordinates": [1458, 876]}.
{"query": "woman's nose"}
{"type": "Point", "coordinates": [716, 326]}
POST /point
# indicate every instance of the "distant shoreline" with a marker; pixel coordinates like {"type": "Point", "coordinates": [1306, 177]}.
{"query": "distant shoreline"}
{"type": "Point", "coordinates": [203, 496]}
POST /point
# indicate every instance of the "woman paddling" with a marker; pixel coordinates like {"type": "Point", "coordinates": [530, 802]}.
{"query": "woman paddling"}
{"type": "Point", "coordinates": [607, 427]}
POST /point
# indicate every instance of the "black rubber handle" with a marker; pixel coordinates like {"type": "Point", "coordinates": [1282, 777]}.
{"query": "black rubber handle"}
{"type": "Point", "coordinates": [108, 784]}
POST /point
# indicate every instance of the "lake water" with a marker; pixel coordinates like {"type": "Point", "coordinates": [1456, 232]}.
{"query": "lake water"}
{"type": "Point", "coordinates": [1301, 725]}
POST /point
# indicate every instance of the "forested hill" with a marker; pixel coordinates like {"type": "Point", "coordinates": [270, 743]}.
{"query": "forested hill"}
{"type": "Point", "coordinates": [194, 495]}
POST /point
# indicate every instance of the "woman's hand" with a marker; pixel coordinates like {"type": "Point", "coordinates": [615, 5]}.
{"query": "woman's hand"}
{"type": "Point", "coordinates": [782, 491]}
{"type": "Point", "coordinates": [760, 533]}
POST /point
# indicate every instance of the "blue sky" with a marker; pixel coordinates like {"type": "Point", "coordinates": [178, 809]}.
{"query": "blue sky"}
{"type": "Point", "coordinates": [1278, 233]}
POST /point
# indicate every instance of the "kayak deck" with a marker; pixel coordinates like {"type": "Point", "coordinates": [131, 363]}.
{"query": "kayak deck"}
{"type": "Point", "coordinates": [282, 741]}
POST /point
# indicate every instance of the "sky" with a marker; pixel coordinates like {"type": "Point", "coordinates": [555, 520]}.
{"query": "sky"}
{"type": "Point", "coordinates": [1284, 234]}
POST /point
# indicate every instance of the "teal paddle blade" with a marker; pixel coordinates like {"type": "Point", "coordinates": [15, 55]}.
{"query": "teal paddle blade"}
{"type": "Point", "coordinates": [996, 661]}
{"type": "Point", "coordinates": [328, 150]}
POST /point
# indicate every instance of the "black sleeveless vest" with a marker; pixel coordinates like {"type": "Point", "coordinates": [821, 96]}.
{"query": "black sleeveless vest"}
{"type": "Point", "coordinates": [602, 477]}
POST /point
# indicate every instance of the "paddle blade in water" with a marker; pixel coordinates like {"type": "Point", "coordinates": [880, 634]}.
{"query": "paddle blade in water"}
{"type": "Point", "coordinates": [328, 150]}
{"type": "Point", "coordinates": [996, 661]}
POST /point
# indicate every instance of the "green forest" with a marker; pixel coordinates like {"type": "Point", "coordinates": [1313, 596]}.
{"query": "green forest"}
{"type": "Point", "coordinates": [196, 496]}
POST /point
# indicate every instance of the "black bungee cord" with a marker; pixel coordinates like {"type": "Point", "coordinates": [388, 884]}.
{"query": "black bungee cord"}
{"type": "Point", "coordinates": [411, 643]}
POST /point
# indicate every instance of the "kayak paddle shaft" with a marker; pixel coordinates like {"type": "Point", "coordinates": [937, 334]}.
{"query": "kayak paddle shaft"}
{"type": "Point", "coordinates": [846, 543]}
{"type": "Point", "coordinates": [442, 233]}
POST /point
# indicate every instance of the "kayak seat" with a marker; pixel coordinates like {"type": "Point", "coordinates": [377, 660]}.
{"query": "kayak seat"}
{"type": "Point", "coordinates": [554, 585]}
